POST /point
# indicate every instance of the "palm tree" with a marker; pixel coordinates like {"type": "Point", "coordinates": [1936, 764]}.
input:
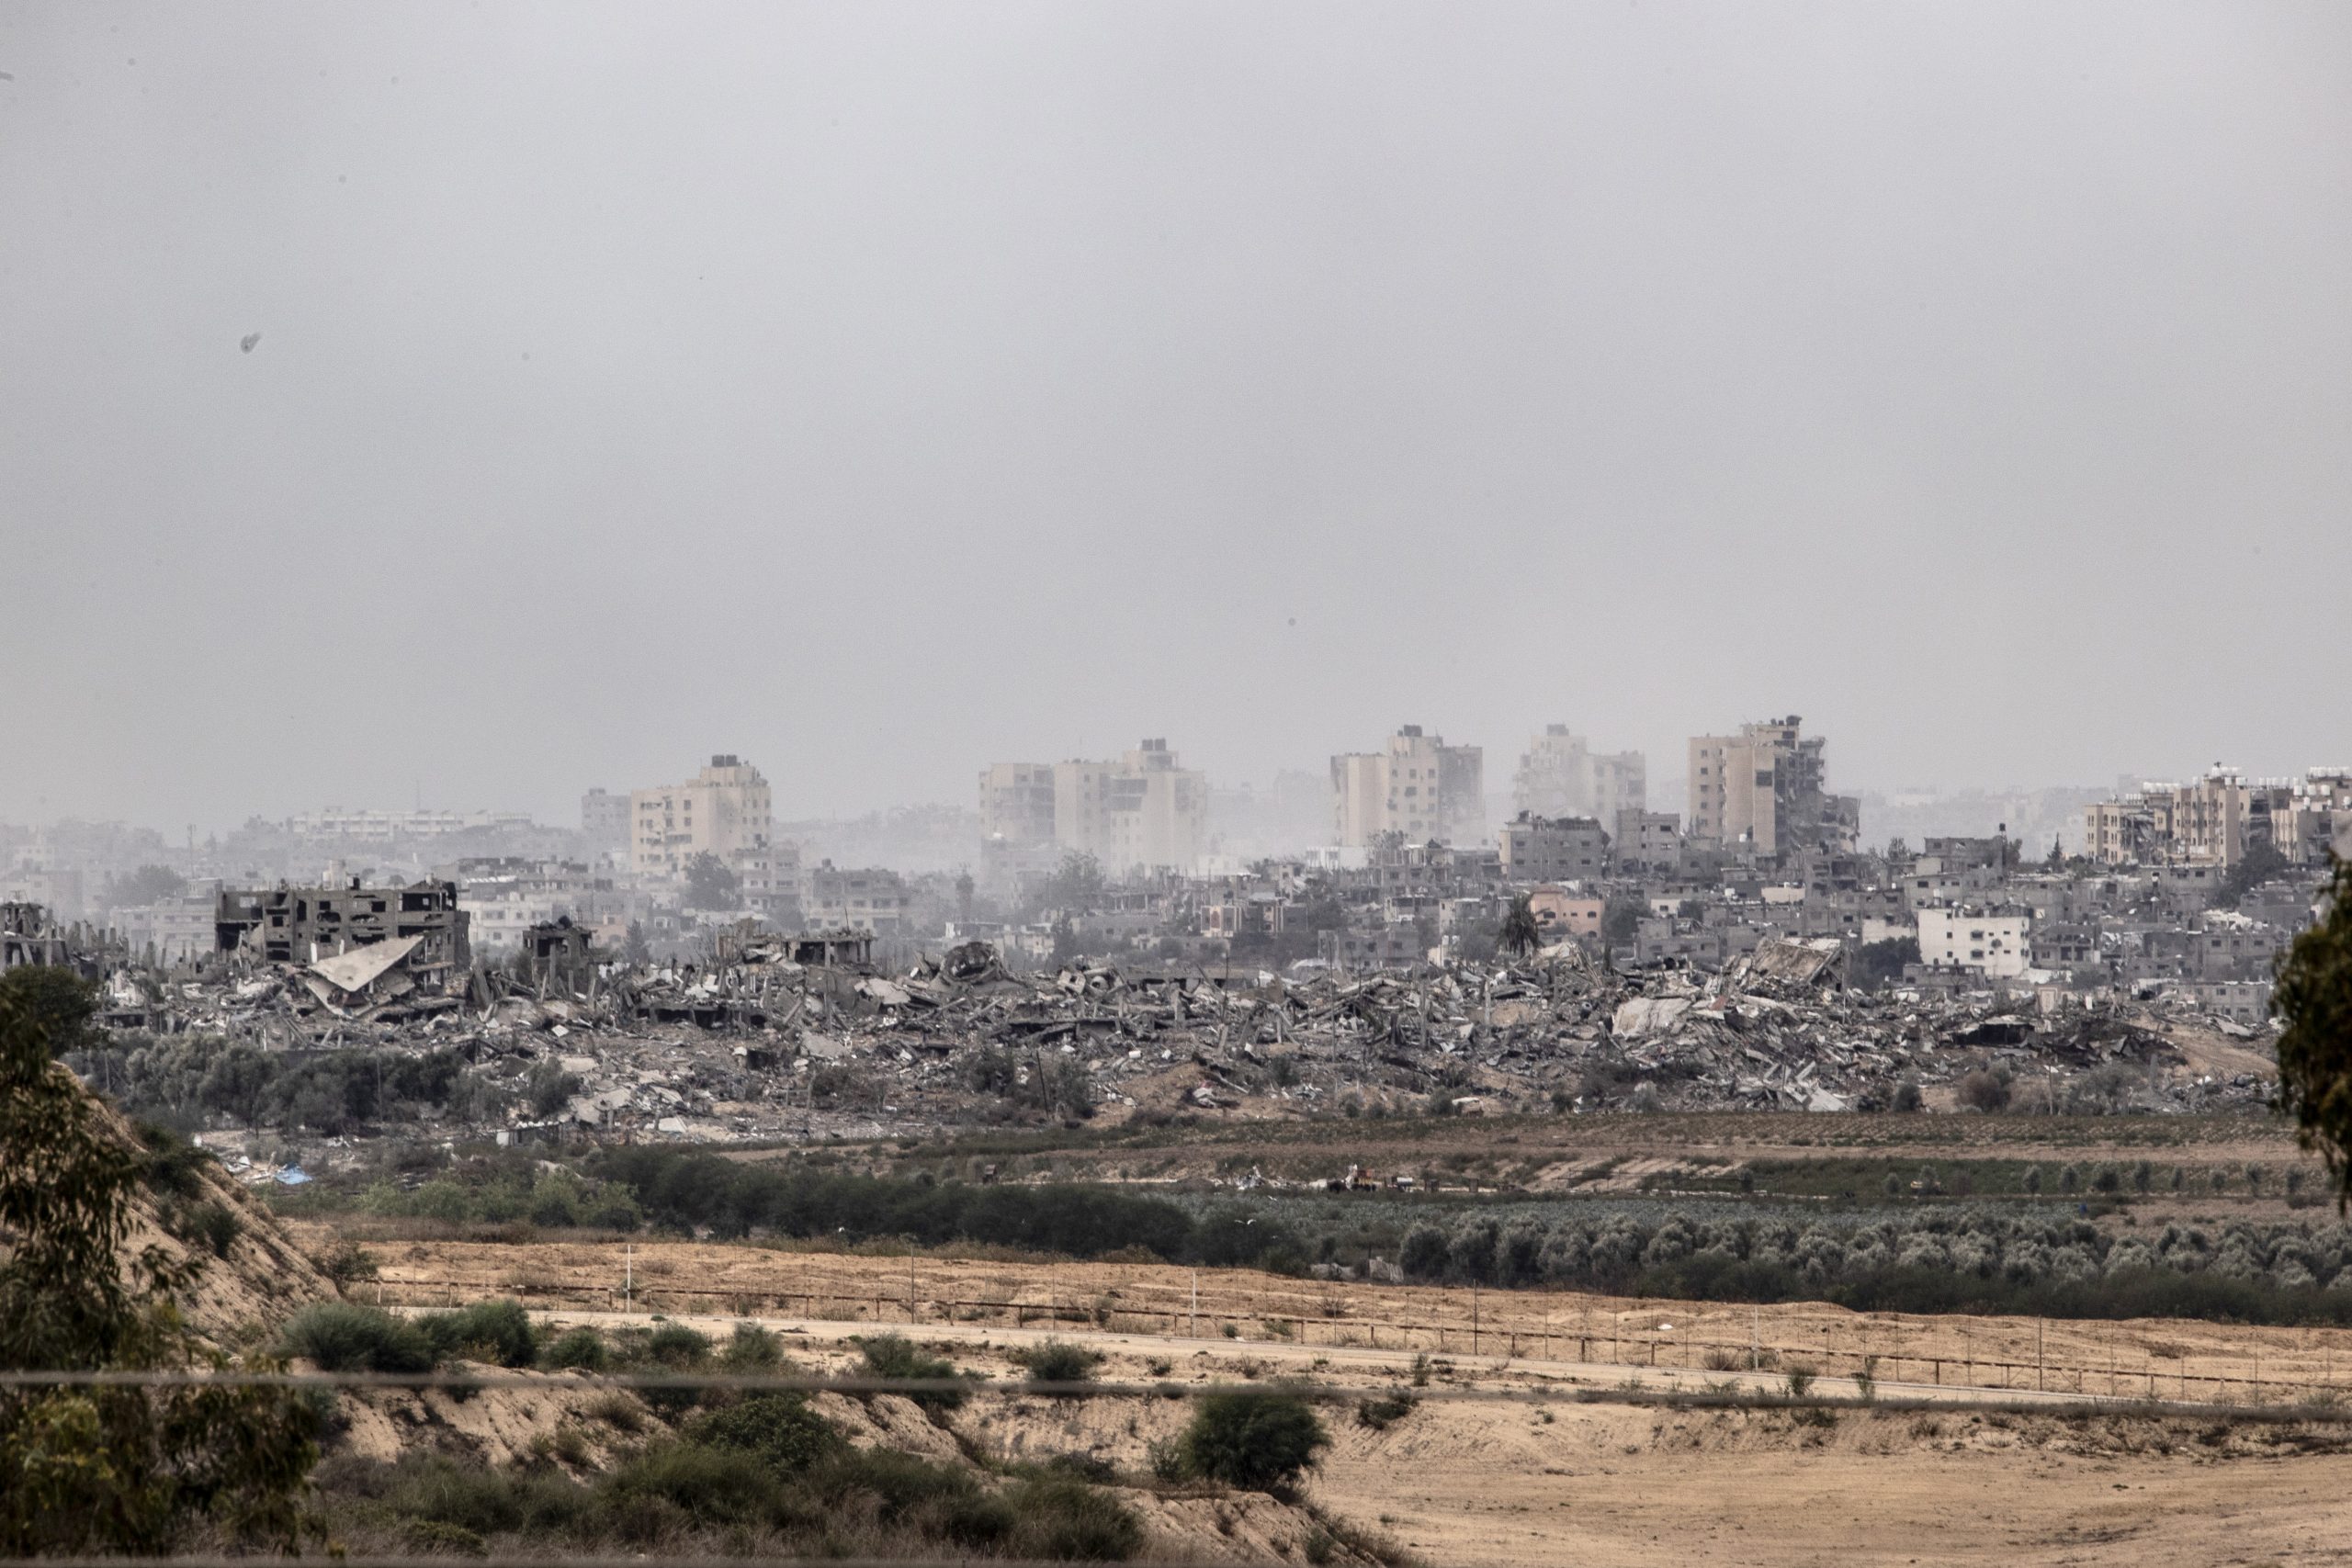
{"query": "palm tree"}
{"type": "Point", "coordinates": [1520, 934]}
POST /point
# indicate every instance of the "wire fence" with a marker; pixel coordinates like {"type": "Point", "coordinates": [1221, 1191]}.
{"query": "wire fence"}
{"type": "Point", "coordinates": [1584, 1344]}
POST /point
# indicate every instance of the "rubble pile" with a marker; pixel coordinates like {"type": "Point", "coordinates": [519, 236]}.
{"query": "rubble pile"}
{"type": "Point", "coordinates": [754, 1044]}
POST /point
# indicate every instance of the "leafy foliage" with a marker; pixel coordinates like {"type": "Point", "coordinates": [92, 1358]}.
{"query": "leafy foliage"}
{"type": "Point", "coordinates": [711, 884]}
{"type": "Point", "coordinates": [778, 1427]}
{"type": "Point", "coordinates": [895, 1356]}
{"type": "Point", "coordinates": [496, 1332]}
{"type": "Point", "coordinates": [2313, 1001]}
{"type": "Point", "coordinates": [1519, 933]}
{"type": "Point", "coordinates": [1877, 964]}
{"type": "Point", "coordinates": [345, 1337]}
{"type": "Point", "coordinates": [111, 1469]}
{"type": "Point", "coordinates": [2260, 863]}
{"type": "Point", "coordinates": [56, 1001]}
{"type": "Point", "coordinates": [147, 885]}
{"type": "Point", "coordinates": [1057, 1361]}
{"type": "Point", "coordinates": [1257, 1438]}
{"type": "Point", "coordinates": [684, 1190]}
{"type": "Point", "coordinates": [186, 1081]}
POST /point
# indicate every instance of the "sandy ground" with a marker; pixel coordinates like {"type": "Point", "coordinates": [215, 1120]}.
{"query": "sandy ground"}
{"type": "Point", "coordinates": [2166, 1358]}
{"type": "Point", "coordinates": [1490, 1482]}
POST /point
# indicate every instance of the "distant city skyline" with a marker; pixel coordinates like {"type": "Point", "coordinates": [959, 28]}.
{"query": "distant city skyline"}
{"type": "Point", "coordinates": [476, 404]}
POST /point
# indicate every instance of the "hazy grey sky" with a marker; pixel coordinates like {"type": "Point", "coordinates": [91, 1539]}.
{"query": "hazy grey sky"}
{"type": "Point", "coordinates": [877, 390]}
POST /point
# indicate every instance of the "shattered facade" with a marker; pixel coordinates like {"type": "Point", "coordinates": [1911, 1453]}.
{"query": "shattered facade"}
{"type": "Point", "coordinates": [1142, 812]}
{"type": "Point", "coordinates": [1765, 789]}
{"type": "Point", "coordinates": [1560, 775]}
{"type": "Point", "coordinates": [1418, 787]}
{"type": "Point", "coordinates": [303, 925]}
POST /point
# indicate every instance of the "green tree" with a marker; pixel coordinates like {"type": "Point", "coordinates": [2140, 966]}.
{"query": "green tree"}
{"type": "Point", "coordinates": [1622, 919]}
{"type": "Point", "coordinates": [58, 1002]}
{"type": "Point", "coordinates": [2313, 1000]}
{"type": "Point", "coordinates": [710, 885]}
{"type": "Point", "coordinates": [109, 1469]}
{"type": "Point", "coordinates": [635, 948]}
{"type": "Point", "coordinates": [1878, 964]}
{"type": "Point", "coordinates": [1076, 886]}
{"type": "Point", "coordinates": [1519, 933]}
{"type": "Point", "coordinates": [1259, 1438]}
{"type": "Point", "coordinates": [147, 885]}
{"type": "Point", "coordinates": [2259, 865]}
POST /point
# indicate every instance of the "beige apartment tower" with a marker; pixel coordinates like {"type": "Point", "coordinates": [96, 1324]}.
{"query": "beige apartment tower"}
{"type": "Point", "coordinates": [1419, 787]}
{"type": "Point", "coordinates": [1763, 789]}
{"type": "Point", "coordinates": [723, 810]}
{"type": "Point", "coordinates": [1142, 812]}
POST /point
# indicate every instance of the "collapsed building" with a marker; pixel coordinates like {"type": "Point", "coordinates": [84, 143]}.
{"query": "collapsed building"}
{"type": "Point", "coordinates": [288, 925]}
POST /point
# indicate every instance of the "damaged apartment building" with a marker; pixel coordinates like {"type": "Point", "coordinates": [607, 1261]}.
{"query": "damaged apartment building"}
{"type": "Point", "coordinates": [1144, 812]}
{"type": "Point", "coordinates": [1764, 791]}
{"type": "Point", "coordinates": [1417, 788]}
{"type": "Point", "coordinates": [307, 925]}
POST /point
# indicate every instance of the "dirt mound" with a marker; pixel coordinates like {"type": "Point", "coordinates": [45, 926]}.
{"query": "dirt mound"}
{"type": "Point", "coordinates": [254, 1278]}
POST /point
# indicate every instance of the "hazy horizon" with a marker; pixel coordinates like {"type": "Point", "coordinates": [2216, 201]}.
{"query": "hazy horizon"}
{"type": "Point", "coordinates": [877, 392]}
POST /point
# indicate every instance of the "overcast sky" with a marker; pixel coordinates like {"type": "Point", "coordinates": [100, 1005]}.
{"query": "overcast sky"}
{"type": "Point", "coordinates": [880, 390]}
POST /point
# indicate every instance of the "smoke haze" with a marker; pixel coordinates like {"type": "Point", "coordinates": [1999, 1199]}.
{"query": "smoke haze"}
{"type": "Point", "coordinates": [876, 391]}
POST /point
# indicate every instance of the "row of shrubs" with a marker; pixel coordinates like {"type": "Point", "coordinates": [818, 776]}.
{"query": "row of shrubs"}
{"type": "Point", "coordinates": [690, 1190]}
{"type": "Point", "coordinates": [1973, 1259]}
{"type": "Point", "coordinates": [186, 1081]}
{"type": "Point", "coordinates": [560, 1199]}
{"type": "Point", "coordinates": [759, 1475]}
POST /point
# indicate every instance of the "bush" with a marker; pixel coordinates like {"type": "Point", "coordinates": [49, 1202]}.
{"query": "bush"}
{"type": "Point", "coordinates": [431, 1538]}
{"type": "Point", "coordinates": [1425, 1252]}
{"type": "Point", "coordinates": [1168, 1461]}
{"type": "Point", "coordinates": [900, 1489]}
{"type": "Point", "coordinates": [751, 1348]}
{"type": "Point", "coordinates": [496, 1332]}
{"type": "Point", "coordinates": [693, 1483]}
{"type": "Point", "coordinates": [215, 1226]}
{"type": "Point", "coordinates": [1066, 1520]}
{"type": "Point", "coordinates": [1984, 1090]}
{"type": "Point", "coordinates": [676, 1347]}
{"type": "Point", "coordinates": [779, 1428]}
{"type": "Point", "coordinates": [893, 1356]}
{"type": "Point", "coordinates": [578, 1349]}
{"type": "Point", "coordinates": [1385, 1411]}
{"type": "Point", "coordinates": [1056, 1361]}
{"type": "Point", "coordinates": [341, 1336]}
{"type": "Point", "coordinates": [1258, 1439]}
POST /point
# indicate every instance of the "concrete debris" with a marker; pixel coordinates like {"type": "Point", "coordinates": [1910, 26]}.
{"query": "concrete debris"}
{"type": "Point", "coordinates": [789, 1038]}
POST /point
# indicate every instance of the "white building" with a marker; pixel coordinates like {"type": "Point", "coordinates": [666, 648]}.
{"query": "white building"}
{"type": "Point", "coordinates": [1962, 938]}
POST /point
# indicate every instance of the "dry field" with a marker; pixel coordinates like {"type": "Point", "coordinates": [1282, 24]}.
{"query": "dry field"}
{"type": "Point", "coordinates": [2166, 1358]}
{"type": "Point", "coordinates": [1501, 1485]}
